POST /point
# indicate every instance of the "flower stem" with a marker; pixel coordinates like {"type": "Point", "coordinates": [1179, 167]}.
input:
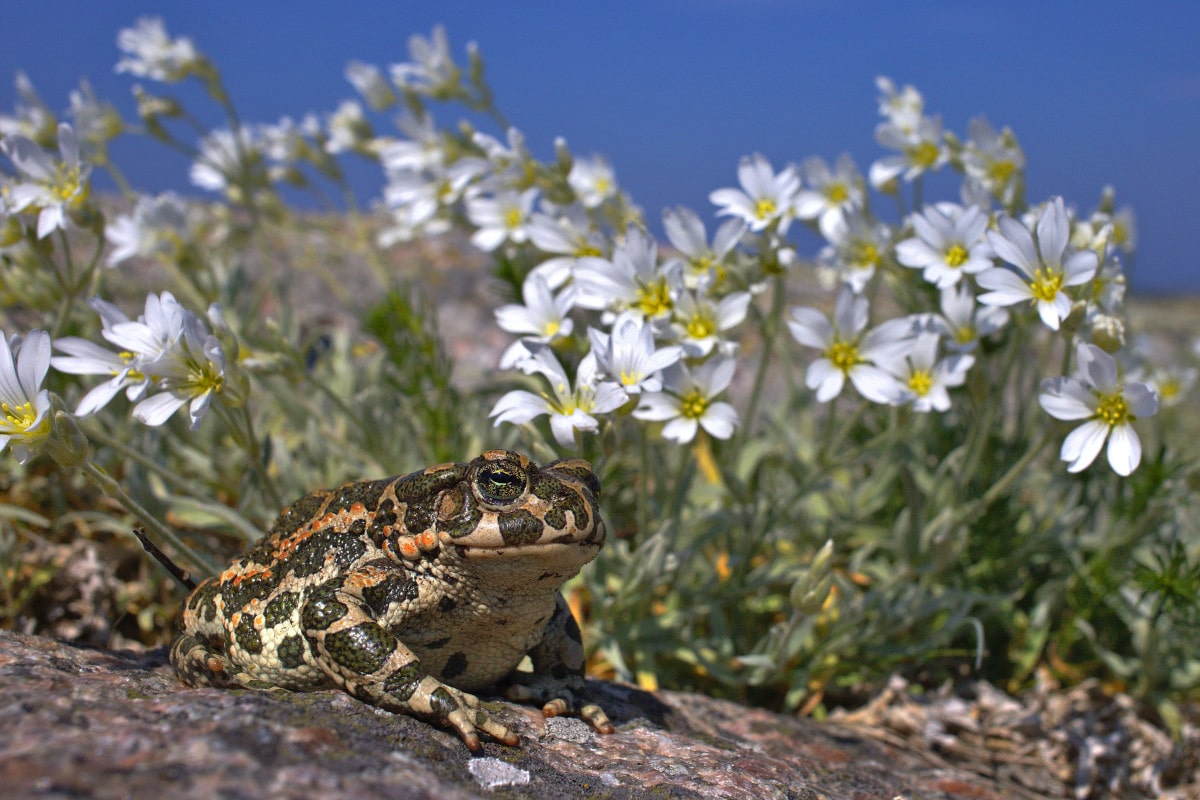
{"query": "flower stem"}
{"type": "Point", "coordinates": [769, 328]}
{"type": "Point", "coordinates": [113, 489]}
{"type": "Point", "coordinates": [242, 428]}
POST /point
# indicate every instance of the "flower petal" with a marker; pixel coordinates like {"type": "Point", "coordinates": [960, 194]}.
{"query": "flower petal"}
{"type": "Point", "coordinates": [1124, 449]}
{"type": "Point", "coordinates": [1066, 398]}
{"type": "Point", "coordinates": [157, 409]}
{"type": "Point", "coordinates": [1083, 444]}
{"type": "Point", "coordinates": [810, 328]}
{"type": "Point", "coordinates": [1141, 399]}
{"type": "Point", "coordinates": [1053, 230]}
{"type": "Point", "coordinates": [719, 420]}
{"type": "Point", "coordinates": [1014, 244]}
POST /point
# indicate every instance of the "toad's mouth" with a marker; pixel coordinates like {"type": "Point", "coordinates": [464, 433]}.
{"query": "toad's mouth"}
{"type": "Point", "coordinates": [537, 549]}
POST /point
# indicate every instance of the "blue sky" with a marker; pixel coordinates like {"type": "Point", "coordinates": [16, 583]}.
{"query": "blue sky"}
{"type": "Point", "coordinates": [673, 92]}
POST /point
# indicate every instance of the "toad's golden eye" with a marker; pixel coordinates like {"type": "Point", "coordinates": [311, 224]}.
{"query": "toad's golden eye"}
{"type": "Point", "coordinates": [500, 483]}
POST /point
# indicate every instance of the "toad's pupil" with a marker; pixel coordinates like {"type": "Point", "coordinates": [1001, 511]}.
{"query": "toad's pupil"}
{"type": "Point", "coordinates": [501, 485]}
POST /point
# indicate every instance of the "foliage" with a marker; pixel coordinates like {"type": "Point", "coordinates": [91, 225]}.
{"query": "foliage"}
{"type": "Point", "coordinates": [782, 537]}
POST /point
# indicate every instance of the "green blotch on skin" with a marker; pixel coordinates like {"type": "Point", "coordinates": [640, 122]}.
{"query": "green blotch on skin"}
{"type": "Point", "coordinates": [364, 648]}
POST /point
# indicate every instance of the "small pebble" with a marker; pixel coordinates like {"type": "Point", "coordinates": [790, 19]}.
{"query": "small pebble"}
{"type": "Point", "coordinates": [492, 772]}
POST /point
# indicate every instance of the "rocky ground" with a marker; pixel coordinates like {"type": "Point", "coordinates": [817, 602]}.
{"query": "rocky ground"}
{"type": "Point", "coordinates": [83, 722]}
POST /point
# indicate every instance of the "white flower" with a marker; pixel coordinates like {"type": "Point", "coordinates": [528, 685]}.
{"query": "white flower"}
{"type": "Point", "coordinates": [687, 404]}
{"type": "Point", "coordinates": [949, 242]}
{"type": "Point", "coordinates": [51, 188]}
{"type": "Point", "coordinates": [151, 53]}
{"type": "Point", "coordinates": [1108, 406]}
{"type": "Point", "coordinates": [424, 149]}
{"type": "Point", "coordinates": [225, 160]}
{"type": "Point", "coordinates": [924, 378]}
{"type": "Point", "coordinates": [629, 356]}
{"type": "Point", "coordinates": [570, 239]}
{"type": "Point", "coordinates": [432, 70]}
{"type": "Point", "coordinates": [858, 246]}
{"type": "Point", "coordinates": [368, 80]}
{"type": "Point", "coordinates": [1043, 271]}
{"type": "Point", "coordinates": [592, 180]}
{"type": "Point", "coordinates": [501, 218]}
{"type": "Point", "coordinates": [571, 407]}
{"type": "Point", "coordinates": [704, 264]}
{"type": "Point", "coordinates": [543, 318]}
{"type": "Point", "coordinates": [963, 322]}
{"type": "Point", "coordinates": [513, 166]}
{"type": "Point", "coordinates": [34, 119]}
{"type": "Point", "coordinates": [832, 193]}
{"type": "Point", "coordinates": [697, 320]}
{"type": "Point", "coordinates": [632, 280]}
{"type": "Point", "coordinates": [95, 122]}
{"type": "Point", "coordinates": [155, 228]}
{"type": "Point", "coordinates": [87, 358]}
{"type": "Point", "coordinates": [765, 198]}
{"type": "Point", "coordinates": [24, 404]}
{"type": "Point", "coordinates": [347, 129]}
{"type": "Point", "coordinates": [921, 150]}
{"type": "Point", "coordinates": [1171, 384]}
{"type": "Point", "coordinates": [848, 349]}
{"type": "Point", "coordinates": [994, 161]}
{"type": "Point", "coordinates": [168, 348]}
{"type": "Point", "coordinates": [190, 373]}
{"type": "Point", "coordinates": [415, 198]}
{"type": "Point", "coordinates": [902, 108]}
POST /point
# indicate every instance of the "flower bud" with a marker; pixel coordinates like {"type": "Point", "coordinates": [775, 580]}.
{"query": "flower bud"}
{"type": "Point", "coordinates": [812, 586]}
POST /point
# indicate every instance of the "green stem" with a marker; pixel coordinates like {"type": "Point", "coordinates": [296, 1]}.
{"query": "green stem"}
{"type": "Point", "coordinates": [168, 476]}
{"type": "Point", "coordinates": [241, 426]}
{"type": "Point", "coordinates": [642, 513]}
{"type": "Point", "coordinates": [113, 489]}
{"type": "Point", "coordinates": [972, 511]}
{"type": "Point", "coordinates": [769, 328]}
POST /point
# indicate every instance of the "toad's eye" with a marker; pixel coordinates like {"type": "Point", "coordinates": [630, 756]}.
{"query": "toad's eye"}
{"type": "Point", "coordinates": [500, 483]}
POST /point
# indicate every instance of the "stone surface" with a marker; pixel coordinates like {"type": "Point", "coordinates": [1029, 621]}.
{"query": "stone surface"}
{"type": "Point", "coordinates": [82, 722]}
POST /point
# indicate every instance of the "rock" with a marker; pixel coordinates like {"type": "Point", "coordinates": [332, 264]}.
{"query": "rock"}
{"type": "Point", "coordinates": [82, 722]}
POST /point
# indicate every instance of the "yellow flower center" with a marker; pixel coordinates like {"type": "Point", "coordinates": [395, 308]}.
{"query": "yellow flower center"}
{"type": "Point", "coordinates": [837, 193]}
{"type": "Point", "coordinates": [587, 251]}
{"type": "Point", "coordinates": [551, 328]}
{"type": "Point", "coordinates": [924, 155]}
{"type": "Point", "coordinates": [844, 355]}
{"type": "Point", "coordinates": [133, 374]}
{"type": "Point", "coordinates": [956, 256]}
{"type": "Point", "coordinates": [602, 186]}
{"type": "Point", "coordinates": [764, 208]}
{"type": "Point", "coordinates": [68, 187]}
{"type": "Point", "coordinates": [1112, 410]}
{"type": "Point", "coordinates": [1046, 284]}
{"type": "Point", "coordinates": [701, 326]}
{"type": "Point", "coordinates": [1120, 233]}
{"type": "Point", "coordinates": [863, 254]}
{"type": "Point", "coordinates": [567, 403]}
{"type": "Point", "coordinates": [18, 420]}
{"type": "Point", "coordinates": [693, 404]}
{"type": "Point", "coordinates": [512, 217]}
{"type": "Point", "coordinates": [1000, 172]}
{"type": "Point", "coordinates": [20, 417]}
{"type": "Point", "coordinates": [654, 298]}
{"type": "Point", "coordinates": [964, 334]}
{"type": "Point", "coordinates": [700, 265]}
{"type": "Point", "coordinates": [920, 382]}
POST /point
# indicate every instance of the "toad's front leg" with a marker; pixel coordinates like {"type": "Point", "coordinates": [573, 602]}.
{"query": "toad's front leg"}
{"type": "Point", "coordinates": [557, 682]}
{"type": "Point", "coordinates": [373, 665]}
